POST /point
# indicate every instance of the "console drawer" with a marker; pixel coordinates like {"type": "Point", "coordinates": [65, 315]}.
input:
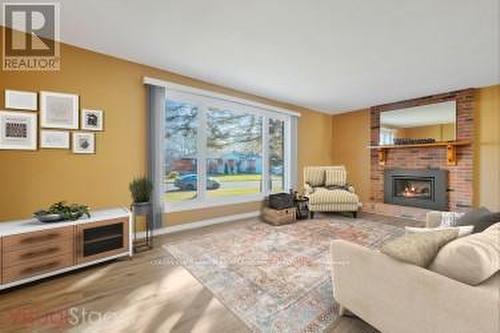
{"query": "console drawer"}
{"type": "Point", "coordinates": [36, 253]}
{"type": "Point", "coordinates": [37, 238]}
{"type": "Point", "coordinates": [28, 269]}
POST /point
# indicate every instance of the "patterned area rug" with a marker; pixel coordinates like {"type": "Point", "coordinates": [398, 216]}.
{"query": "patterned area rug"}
{"type": "Point", "coordinates": [276, 279]}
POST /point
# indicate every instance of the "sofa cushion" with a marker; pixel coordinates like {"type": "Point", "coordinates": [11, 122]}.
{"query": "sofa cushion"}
{"type": "Point", "coordinates": [472, 217]}
{"type": "Point", "coordinates": [472, 259]}
{"type": "Point", "coordinates": [418, 248]}
{"type": "Point", "coordinates": [487, 221]}
{"type": "Point", "coordinates": [449, 219]}
{"type": "Point", "coordinates": [324, 196]}
{"type": "Point", "coordinates": [462, 230]}
{"type": "Point", "coordinates": [314, 176]}
{"type": "Point", "coordinates": [336, 176]}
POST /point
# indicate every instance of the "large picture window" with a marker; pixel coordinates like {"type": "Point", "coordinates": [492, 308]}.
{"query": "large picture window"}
{"type": "Point", "coordinates": [218, 151]}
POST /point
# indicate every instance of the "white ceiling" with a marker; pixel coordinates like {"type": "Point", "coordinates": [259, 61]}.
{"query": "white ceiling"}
{"type": "Point", "coordinates": [328, 55]}
{"type": "Point", "coordinates": [425, 115]}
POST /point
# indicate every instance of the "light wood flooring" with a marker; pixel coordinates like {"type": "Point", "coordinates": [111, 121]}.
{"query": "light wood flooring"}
{"type": "Point", "coordinates": [149, 293]}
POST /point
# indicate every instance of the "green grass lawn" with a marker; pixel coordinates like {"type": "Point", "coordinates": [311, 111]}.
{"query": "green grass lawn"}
{"type": "Point", "coordinates": [223, 192]}
{"type": "Point", "coordinates": [228, 192]}
{"type": "Point", "coordinates": [237, 178]}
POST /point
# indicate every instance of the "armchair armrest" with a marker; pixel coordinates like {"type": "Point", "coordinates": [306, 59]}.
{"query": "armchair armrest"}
{"type": "Point", "coordinates": [308, 188]}
{"type": "Point", "coordinates": [351, 188]}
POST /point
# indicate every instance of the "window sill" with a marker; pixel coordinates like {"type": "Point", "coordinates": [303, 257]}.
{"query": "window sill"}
{"type": "Point", "coordinates": [209, 203]}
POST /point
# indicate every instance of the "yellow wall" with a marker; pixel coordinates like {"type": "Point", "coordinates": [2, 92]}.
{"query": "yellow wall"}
{"type": "Point", "coordinates": [487, 153]}
{"type": "Point", "coordinates": [351, 137]}
{"type": "Point", "coordinates": [33, 180]}
{"type": "Point", "coordinates": [352, 130]}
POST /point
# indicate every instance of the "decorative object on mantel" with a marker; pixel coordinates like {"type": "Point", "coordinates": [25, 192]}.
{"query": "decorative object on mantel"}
{"type": "Point", "coordinates": [60, 211]}
{"type": "Point", "coordinates": [411, 141]}
{"type": "Point", "coordinates": [141, 189]}
{"type": "Point", "coordinates": [58, 110]}
{"type": "Point", "coordinates": [21, 100]}
{"type": "Point", "coordinates": [18, 130]}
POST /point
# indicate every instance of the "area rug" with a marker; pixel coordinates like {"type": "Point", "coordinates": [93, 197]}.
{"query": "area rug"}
{"type": "Point", "coordinates": [276, 279]}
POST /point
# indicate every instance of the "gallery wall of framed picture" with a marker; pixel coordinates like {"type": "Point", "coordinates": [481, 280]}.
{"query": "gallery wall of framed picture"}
{"type": "Point", "coordinates": [59, 123]}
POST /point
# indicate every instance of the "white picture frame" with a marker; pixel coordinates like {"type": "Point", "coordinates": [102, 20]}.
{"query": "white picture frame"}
{"type": "Point", "coordinates": [54, 139]}
{"type": "Point", "coordinates": [92, 120]}
{"type": "Point", "coordinates": [21, 100]}
{"type": "Point", "coordinates": [83, 143]}
{"type": "Point", "coordinates": [58, 110]}
{"type": "Point", "coordinates": [18, 130]}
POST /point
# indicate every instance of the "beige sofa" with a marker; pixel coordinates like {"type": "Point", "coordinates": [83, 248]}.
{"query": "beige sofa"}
{"type": "Point", "coordinates": [328, 190]}
{"type": "Point", "coordinates": [397, 297]}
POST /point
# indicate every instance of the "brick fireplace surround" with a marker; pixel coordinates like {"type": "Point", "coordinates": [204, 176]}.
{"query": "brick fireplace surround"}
{"type": "Point", "coordinates": [460, 175]}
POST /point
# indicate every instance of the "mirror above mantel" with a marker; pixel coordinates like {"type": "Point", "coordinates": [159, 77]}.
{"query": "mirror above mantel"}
{"type": "Point", "coordinates": [424, 124]}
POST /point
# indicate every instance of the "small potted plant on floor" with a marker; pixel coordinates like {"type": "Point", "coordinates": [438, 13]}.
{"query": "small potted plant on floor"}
{"type": "Point", "coordinates": [141, 189]}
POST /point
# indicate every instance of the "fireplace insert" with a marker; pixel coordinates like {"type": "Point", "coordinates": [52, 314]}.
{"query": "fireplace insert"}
{"type": "Point", "coordinates": [427, 188]}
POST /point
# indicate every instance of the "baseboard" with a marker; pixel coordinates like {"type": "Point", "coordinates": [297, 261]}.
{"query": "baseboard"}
{"type": "Point", "coordinates": [201, 223]}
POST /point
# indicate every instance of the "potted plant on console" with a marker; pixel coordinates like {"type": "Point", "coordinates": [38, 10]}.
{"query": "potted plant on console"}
{"type": "Point", "coordinates": [61, 211]}
{"type": "Point", "coordinates": [141, 189]}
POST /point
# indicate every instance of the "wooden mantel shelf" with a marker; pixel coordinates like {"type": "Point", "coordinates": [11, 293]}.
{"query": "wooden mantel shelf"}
{"type": "Point", "coordinates": [423, 145]}
{"type": "Point", "coordinates": [451, 149]}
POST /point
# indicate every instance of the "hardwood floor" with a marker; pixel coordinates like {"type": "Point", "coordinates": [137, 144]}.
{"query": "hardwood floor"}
{"type": "Point", "coordinates": [150, 293]}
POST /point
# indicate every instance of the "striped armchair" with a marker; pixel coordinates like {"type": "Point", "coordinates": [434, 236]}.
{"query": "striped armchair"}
{"type": "Point", "coordinates": [328, 190]}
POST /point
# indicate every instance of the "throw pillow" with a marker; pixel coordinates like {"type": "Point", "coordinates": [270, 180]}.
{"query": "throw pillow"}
{"type": "Point", "coordinates": [472, 259]}
{"type": "Point", "coordinates": [486, 221]}
{"type": "Point", "coordinates": [314, 176]}
{"type": "Point", "coordinates": [418, 248]}
{"type": "Point", "coordinates": [449, 219]}
{"type": "Point", "coordinates": [472, 217]}
{"type": "Point", "coordinates": [335, 177]}
{"type": "Point", "coordinates": [462, 231]}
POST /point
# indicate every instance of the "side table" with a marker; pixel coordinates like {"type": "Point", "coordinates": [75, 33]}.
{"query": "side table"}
{"type": "Point", "coordinates": [145, 210]}
{"type": "Point", "coordinates": [302, 205]}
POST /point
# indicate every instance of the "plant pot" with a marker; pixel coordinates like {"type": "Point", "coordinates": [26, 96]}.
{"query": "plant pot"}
{"type": "Point", "coordinates": [141, 208]}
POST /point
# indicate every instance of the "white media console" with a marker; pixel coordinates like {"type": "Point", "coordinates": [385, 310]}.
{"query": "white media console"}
{"type": "Point", "coordinates": [32, 250]}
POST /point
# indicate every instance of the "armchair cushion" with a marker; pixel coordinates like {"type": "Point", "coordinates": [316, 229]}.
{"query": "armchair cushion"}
{"type": "Point", "coordinates": [322, 195]}
{"type": "Point", "coordinates": [335, 176]}
{"type": "Point", "coordinates": [314, 176]}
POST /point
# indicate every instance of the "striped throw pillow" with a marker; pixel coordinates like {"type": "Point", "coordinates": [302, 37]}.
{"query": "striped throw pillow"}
{"type": "Point", "coordinates": [336, 177]}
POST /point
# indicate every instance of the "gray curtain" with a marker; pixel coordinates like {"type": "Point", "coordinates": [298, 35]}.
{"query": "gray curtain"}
{"type": "Point", "coordinates": [294, 152]}
{"type": "Point", "coordinates": [156, 112]}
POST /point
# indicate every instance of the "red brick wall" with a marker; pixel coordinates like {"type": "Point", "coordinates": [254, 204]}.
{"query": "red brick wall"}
{"type": "Point", "coordinates": [460, 176]}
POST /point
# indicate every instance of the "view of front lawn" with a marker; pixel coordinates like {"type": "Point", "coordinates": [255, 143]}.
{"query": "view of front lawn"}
{"type": "Point", "coordinates": [237, 178]}
{"type": "Point", "coordinates": [230, 185]}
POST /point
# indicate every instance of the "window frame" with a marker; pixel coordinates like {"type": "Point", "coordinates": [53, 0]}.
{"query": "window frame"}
{"type": "Point", "coordinates": [203, 100]}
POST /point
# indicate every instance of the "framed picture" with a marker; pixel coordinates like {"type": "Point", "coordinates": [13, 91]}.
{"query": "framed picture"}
{"type": "Point", "coordinates": [54, 139]}
{"type": "Point", "coordinates": [18, 130]}
{"type": "Point", "coordinates": [58, 110]}
{"type": "Point", "coordinates": [83, 143]}
{"type": "Point", "coordinates": [21, 100]}
{"type": "Point", "coordinates": [92, 120]}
